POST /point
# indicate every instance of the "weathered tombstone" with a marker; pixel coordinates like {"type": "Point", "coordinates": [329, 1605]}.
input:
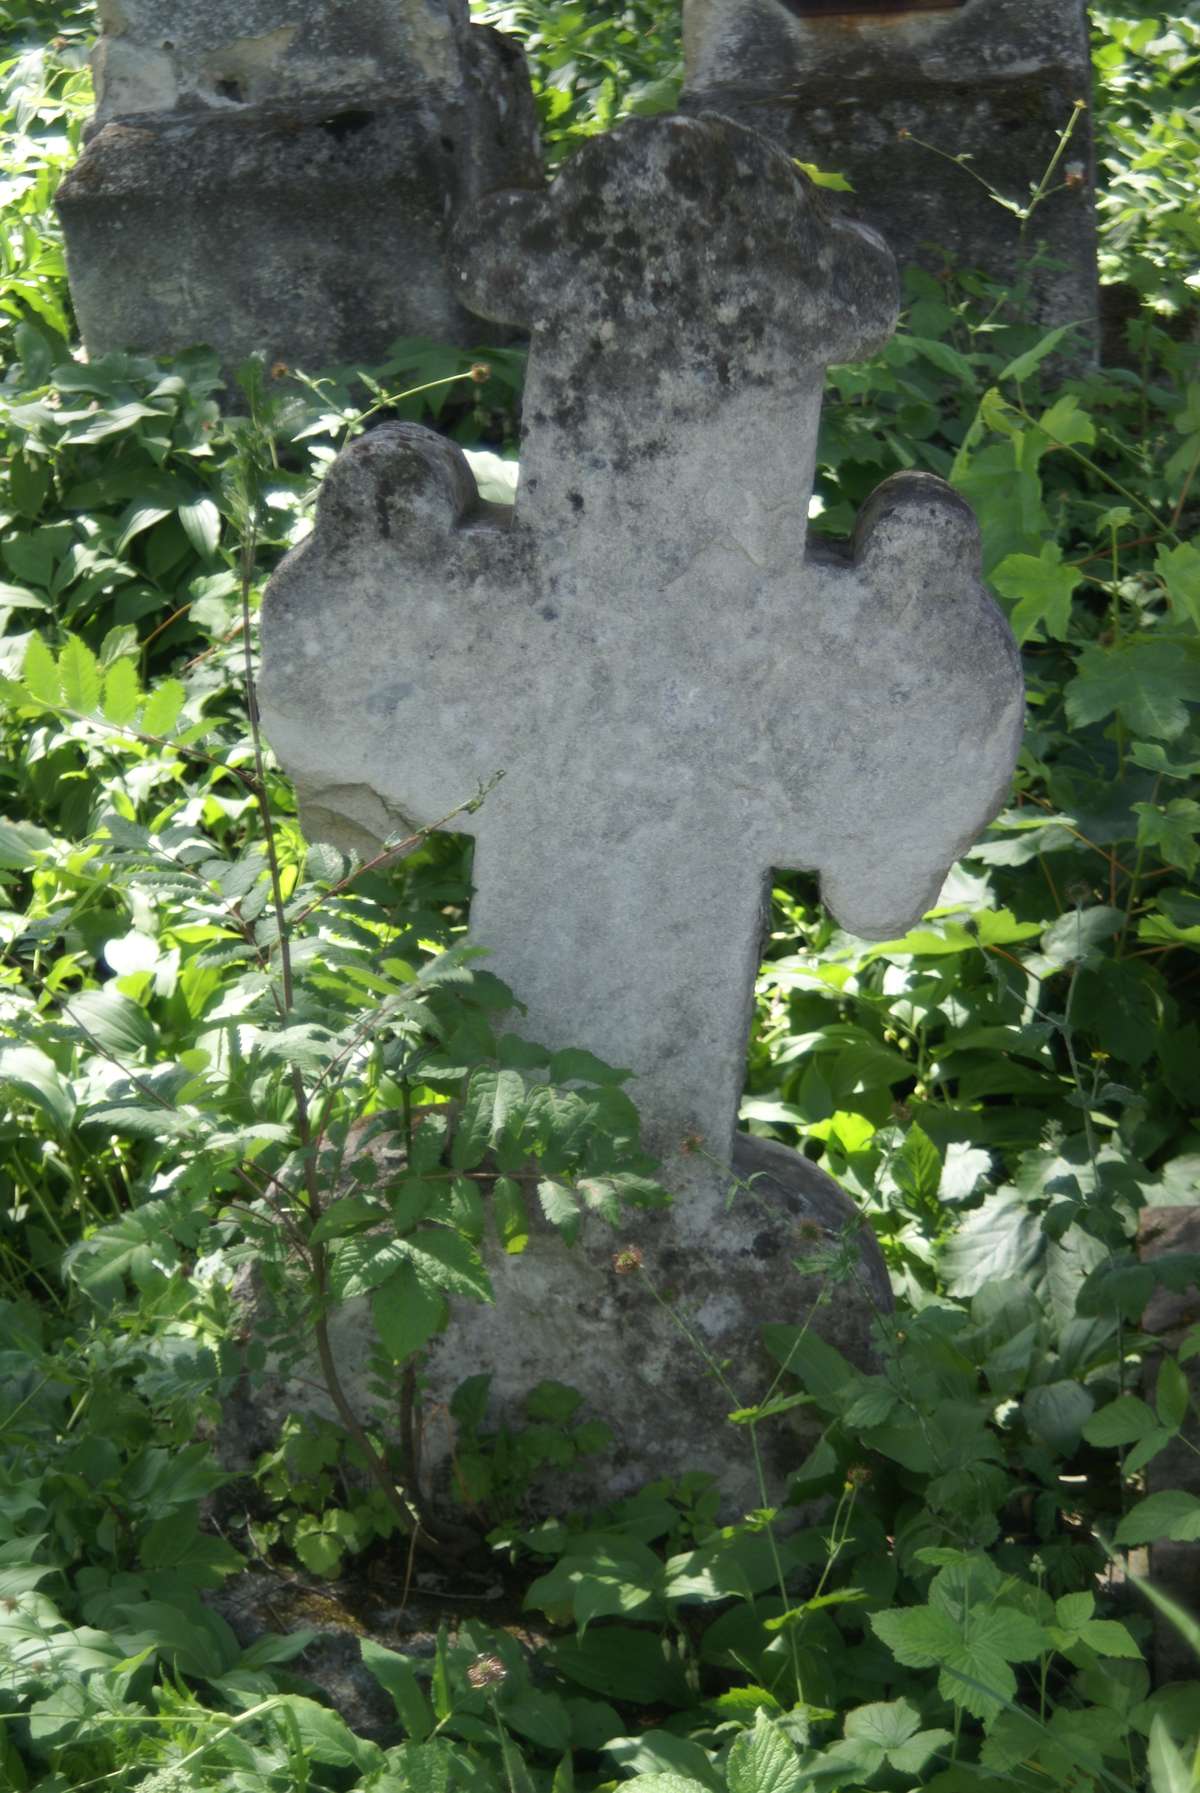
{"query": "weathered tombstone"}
{"type": "Point", "coordinates": [280, 175]}
{"type": "Point", "coordinates": [1170, 1315]}
{"type": "Point", "coordinates": [681, 693]}
{"type": "Point", "coordinates": [850, 85]}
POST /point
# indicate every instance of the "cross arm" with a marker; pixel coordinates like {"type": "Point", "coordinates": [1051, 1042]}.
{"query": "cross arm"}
{"type": "Point", "coordinates": [369, 632]}
{"type": "Point", "coordinates": [923, 714]}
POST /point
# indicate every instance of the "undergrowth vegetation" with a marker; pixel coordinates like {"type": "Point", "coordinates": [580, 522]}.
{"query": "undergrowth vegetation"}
{"type": "Point", "coordinates": [213, 1033]}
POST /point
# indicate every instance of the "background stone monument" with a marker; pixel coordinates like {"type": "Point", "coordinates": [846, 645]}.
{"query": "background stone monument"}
{"type": "Point", "coordinates": [681, 695]}
{"type": "Point", "coordinates": [838, 82]}
{"type": "Point", "coordinates": [281, 175]}
{"type": "Point", "coordinates": [1169, 1317]}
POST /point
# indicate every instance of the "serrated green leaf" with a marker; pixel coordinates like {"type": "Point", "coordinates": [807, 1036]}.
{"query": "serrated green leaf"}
{"type": "Point", "coordinates": [40, 672]}
{"type": "Point", "coordinates": [443, 1261]}
{"type": "Point", "coordinates": [407, 1313]}
{"type": "Point", "coordinates": [764, 1760]}
{"type": "Point", "coordinates": [324, 1737]}
{"type": "Point", "coordinates": [944, 355]}
{"type": "Point", "coordinates": [1172, 1514]}
{"type": "Point", "coordinates": [1121, 1422]}
{"type": "Point", "coordinates": [888, 1723]}
{"type": "Point", "coordinates": [1170, 829]}
{"type": "Point", "coordinates": [561, 1207]}
{"type": "Point", "coordinates": [1067, 423]}
{"type": "Point", "coordinates": [163, 707]}
{"type": "Point", "coordinates": [917, 1167]}
{"type": "Point", "coordinates": [665, 1783]}
{"type": "Point", "coordinates": [910, 1758]}
{"type": "Point", "coordinates": [573, 1065]}
{"type": "Point", "coordinates": [1074, 1610]}
{"type": "Point", "coordinates": [323, 864]}
{"type": "Point", "coordinates": [79, 673]}
{"type": "Point", "coordinates": [1149, 679]}
{"type": "Point", "coordinates": [1077, 934]}
{"type": "Point", "coordinates": [512, 1222]}
{"type": "Point", "coordinates": [822, 177]}
{"type": "Point", "coordinates": [421, 1768]}
{"type": "Point", "coordinates": [1040, 590]}
{"type": "Point", "coordinates": [133, 1121]}
{"type": "Point", "coordinates": [1108, 1637]}
{"type": "Point", "coordinates": [1179, 570]}
{"type": "Point", "coordinates": [493, 1098]}
{"type": "Point", "coordinates": [917, 1637]}
{"type": "Point", "coordinates": [347, 1215]}
{"type": "Point", "coordinates": [1172, 1396]}
{"type": "Point", "coordinates": [1026, 364]}
{"type": "Point", "coordinates": [122, 692]}
{"type": "Point", "coordinates": [1145, 1450]}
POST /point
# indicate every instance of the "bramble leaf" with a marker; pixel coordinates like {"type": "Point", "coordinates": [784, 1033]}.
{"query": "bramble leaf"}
{"type": "Point", "coordinates": [1172, 1514]}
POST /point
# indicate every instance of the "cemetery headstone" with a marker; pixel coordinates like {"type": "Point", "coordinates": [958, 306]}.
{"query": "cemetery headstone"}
{"type": "Point", "coordinates": [682, 693]}
{"type": "Point", "coordinates": [280, 175]}
{"type": "Point", "coordinates": [863, 88]}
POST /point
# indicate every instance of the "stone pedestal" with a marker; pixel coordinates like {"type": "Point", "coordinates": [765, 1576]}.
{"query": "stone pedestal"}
{"type": "Point", "coordinates": [849, 85]}
{"type": "Point", "coordinates": [280, 176]}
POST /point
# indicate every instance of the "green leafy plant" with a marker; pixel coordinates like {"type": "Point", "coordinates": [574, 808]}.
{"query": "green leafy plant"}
{"type": "Point", "coordinates": [228, 1053]}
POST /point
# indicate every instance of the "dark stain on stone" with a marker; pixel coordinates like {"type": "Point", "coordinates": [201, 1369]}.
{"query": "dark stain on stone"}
{"type": "Point", "coordinates": [231, 90]}
{"type": "Point", "coordinates": [539, 236]}
{"type": "Point", "coordinates": [766, 1245]}
{"type": "Point", "coordinates": [576, 499]}
{"type": "Point", "coordinates": [347, 124]}
{"type": "Point", "coordinates": [570, 413]}
{"type": "Point", "coordinates": [549, 612]}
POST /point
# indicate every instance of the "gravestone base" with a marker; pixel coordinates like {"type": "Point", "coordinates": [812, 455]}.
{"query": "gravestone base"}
{"type": "Point", "coordinates": [851, 90]}
{"type": "Point", "coordinates": [727, 1257]}
{"type": "Point", "coordinates": [310, 230]}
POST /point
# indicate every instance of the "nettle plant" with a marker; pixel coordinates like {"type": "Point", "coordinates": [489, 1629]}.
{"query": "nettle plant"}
{"type": "Point", "coordinates": [1015, 1078]}
{"type": "Point", "coordinates": [334, 1080]}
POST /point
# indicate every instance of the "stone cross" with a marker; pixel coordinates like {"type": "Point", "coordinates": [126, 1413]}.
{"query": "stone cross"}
{"type": "Point", "coordinates": [682, 692]}
{"type": "Point", "coordinates": [280, 175]}
{"type": "Point", "coordinates": [852, 85]}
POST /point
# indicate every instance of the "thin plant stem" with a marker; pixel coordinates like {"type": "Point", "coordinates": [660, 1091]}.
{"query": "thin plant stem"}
{"type": "Point", "coordinates": [698, 1345]}
{"type": "Point", "coordinates": [1042, 189]}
